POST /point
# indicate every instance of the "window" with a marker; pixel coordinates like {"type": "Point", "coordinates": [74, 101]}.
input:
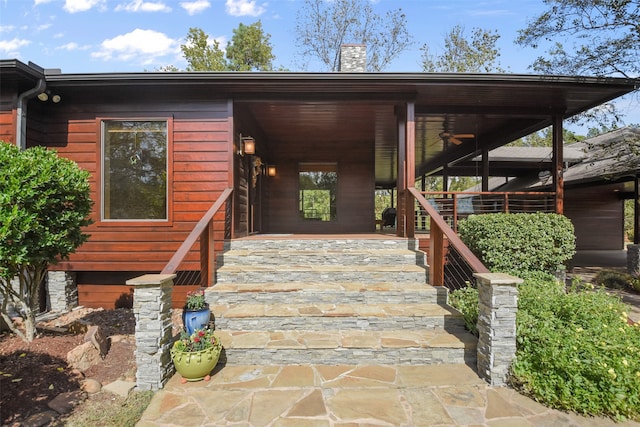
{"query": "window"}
{"type": "Point", "coordinates": [318, 184]}
{"type": "Point", "coordinates": [134, 170]}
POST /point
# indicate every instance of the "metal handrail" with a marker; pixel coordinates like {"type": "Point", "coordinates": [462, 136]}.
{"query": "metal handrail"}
{"type": "Point", "coordinates": [204, 225]}
{"type": "Point", "coordinates": [439, 229]}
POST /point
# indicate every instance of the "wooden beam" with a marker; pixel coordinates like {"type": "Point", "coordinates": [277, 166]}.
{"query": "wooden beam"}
{"type": "Point", "coordinates": [402, 174]}
{"type": "Point", "coordinates": [558, 163]}
{"type": "Point", "coordinates": [485, 169]}
{"type": "Point", "coordinates": [410, 179]}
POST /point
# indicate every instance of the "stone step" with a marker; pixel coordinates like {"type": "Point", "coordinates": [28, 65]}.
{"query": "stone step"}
{"type": "Point", "coordinates": [321, 273]}
{"type": "Point", "coordinates": [319, 317]}
{"type": "Point", "coordinates": [325, 292]}
{"type": "Point", "coordinates": [259, 256]}
{"type": "Point", "coordinates": [335, 347]}
{"type": "Point", "coordinates": [264, 242]}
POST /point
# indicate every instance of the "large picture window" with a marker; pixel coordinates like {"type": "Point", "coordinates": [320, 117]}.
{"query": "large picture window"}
{"type": "Point", "coordinates": [134, 170]}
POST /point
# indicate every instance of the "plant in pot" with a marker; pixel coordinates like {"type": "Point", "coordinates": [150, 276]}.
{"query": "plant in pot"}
{"type": "Point", "coordinates": [195, 355]}
{"type": "Point", "coordinates": [195, 314]}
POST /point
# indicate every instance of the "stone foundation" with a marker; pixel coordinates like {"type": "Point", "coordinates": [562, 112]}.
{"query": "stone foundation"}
{"type": "Point", "coordinates": [62, 291]}
{"type": "Point", "coordinates": [633, 259]}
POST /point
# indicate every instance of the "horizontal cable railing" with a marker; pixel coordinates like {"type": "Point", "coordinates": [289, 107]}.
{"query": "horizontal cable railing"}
{"type": "Point", "coordinates": [454, 206]}
{"type": "Point", "coordinates": [451, 262]}
{"type": "Point", "coordinates": [202, 232]}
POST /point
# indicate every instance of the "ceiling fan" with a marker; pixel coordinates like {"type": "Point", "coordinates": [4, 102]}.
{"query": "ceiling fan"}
{"type": "Point", "coordinates": [456, 138]}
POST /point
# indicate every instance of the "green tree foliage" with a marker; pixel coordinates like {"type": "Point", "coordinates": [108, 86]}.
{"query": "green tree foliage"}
{"type": "Point", "coordinates": [44, 204]}
{"type": "Point", "coordinates": [592, 37]}
{"type": "Point", "coordinates": [200, 55]}
{"type": "Point", "coordinates": [544, 138]}
{"type": "Point", "coordinates": [250, 49]}
{"type": "Point", "coordinates": [323, 26]}
{"type": "Point", "coordinates": [477, 54]}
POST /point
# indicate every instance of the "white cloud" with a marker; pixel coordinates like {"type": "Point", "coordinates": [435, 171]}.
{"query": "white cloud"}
{"type": "Point", "coordinates": [43, 27]}
{"type": "Point", "coordinates": [37, 2]}
{"type": "Point", "coordinates": [143, 45]}
{"type": "Point", "coordinates": [195, 7]}
{"type": "Point", "coordinates": [72, 46]}
{"type": "Point", "coordinates": [73, 6]}
{"type": "Point", "coordinates": [143, 6]}
{"type": "Point", "coordinates": [6, 28]}
{"type": "Point", "coordinates": [11, 47]}
{"type": "Point", "coordinates": [244, 8]}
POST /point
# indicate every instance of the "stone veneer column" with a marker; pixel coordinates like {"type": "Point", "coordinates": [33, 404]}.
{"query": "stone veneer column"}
{"type": "Point", "coordinates": [353, 58]}
{"type": "Point", "coordinates": [152, 311]}
{"type": "Point", "coordinates": [62, 291]}
{"type": "Point", "coordinates": [633, 259]}
{"type": "Point", "coordinates": [497, 309]}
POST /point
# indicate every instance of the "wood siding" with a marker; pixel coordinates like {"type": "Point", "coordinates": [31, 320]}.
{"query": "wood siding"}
{"type": "Point", "coordinates": [198, 173]}
{"type": "Point", "coordinates": [597, 214]}
{"type": "Point", "coordinates": [8, 116]}
{"type": "Point", "coordinates": [355, 193]}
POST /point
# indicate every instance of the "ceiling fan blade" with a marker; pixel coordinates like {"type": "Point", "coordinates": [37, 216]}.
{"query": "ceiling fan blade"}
{"type": "Point", "coordinates": [464, 135]}
{"type": "Point", "coordinates": [454, 140]}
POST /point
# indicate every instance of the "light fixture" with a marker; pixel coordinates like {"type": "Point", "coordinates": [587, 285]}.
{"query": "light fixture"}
{"type": "Point", "coordinates": [46, 95]}
{"type": "Point", "coordinates": [271, 170]}
{"type": "Point", "coordinates": [248, 145]}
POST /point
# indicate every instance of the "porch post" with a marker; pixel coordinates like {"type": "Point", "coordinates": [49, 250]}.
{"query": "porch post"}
{"type": "Point", "coordinates": [485, 169]}
{"type": "Point", "coordinates": [402, 176]}
{"type": "Point", "coordinates": [636, 210]}
{"type": "Point", "coordinates": [410, 180]}
{"type": "Point", "coordinates": [558, 161]}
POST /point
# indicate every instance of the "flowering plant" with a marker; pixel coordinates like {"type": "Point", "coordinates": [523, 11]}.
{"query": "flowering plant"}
{"type": "Point", "coordinates": [200, 339]}
{"type": "Point", "coordinates": [195, 300]}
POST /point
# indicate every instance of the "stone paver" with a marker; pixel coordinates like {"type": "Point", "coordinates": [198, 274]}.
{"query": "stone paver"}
{"type": "Point", "coordinates": [350, 395]}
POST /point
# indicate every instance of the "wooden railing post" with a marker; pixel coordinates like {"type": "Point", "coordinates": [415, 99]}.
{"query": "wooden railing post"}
{"type": "Point", "coordinates": [436, 254]}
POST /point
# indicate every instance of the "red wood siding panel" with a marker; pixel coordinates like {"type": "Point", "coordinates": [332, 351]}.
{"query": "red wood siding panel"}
{"type": "Point", "coordinates": [597, 216]}
{"type": "Point", "coordinates": [109, 296]}
{"type": "Point", "coordinates": [200, 173]}
{"type": "Point", "coordinates": [8, 126]}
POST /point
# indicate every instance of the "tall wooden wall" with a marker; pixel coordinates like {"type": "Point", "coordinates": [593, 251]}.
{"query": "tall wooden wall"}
{"type": "Point", "coordinates": [597, 214]}
{"type": "Point", "coordinates": [199, 139]}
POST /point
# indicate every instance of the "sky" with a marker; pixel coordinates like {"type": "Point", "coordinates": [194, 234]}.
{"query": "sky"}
{"type": "Point", "coordinates": [87, 36]}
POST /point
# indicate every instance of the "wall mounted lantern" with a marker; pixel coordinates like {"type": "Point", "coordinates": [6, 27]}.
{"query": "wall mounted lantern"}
{"type": "Point", "coordinates": [247, 145]}
{"type": "Point", "coordinates": [271, 170]}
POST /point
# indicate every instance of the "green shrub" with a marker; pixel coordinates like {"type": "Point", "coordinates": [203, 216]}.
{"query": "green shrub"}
{"type": "Point", "coordinates": [520, 242]}
{"type": "Point", "coordinates": [617, 280]}
{"type": "Point", "coordinates": [577, 352]}
{"type": "Point", "coordinates": [465, 300]}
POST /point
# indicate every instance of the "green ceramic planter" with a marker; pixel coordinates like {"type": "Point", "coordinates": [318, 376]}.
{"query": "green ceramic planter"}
{"type": "Point", "coordinates": [196, 365]}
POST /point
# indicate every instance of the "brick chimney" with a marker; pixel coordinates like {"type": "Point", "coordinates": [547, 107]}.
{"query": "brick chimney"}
{"type": "Point", "coordinates": [353, 58]}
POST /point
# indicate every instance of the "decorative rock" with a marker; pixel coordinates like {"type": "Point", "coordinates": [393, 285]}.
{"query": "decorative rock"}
{"type": "Point", "coordinates": [65, 402]}
{"type": "Point", "coordinates": [97, 338]}
{"type": "Point", "coordinates": [121, 388]}
{"type": "Point", "coordinates": [91, 386]}
{"type": "Point", "coordinates": [84, 356]}
{"type": "Point", "coordinates": [40, 419]}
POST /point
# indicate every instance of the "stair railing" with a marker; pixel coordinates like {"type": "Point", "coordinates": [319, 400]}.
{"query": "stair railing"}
{"type": "Point", "coordinates": [439, 229]}
{"type": "Point", "coordinates": [204, 231]}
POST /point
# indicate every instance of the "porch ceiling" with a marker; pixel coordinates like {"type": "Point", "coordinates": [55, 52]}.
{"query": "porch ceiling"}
{"type": "Point", "coordinates": [497, 111]}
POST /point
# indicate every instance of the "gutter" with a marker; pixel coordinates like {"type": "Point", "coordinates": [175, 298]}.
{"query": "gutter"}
{"type": "Point", "coordinates": [21, 121]}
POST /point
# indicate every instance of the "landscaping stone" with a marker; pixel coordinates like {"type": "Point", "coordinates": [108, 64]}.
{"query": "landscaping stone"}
{"type": "Point", "coordinates": [65, 402]}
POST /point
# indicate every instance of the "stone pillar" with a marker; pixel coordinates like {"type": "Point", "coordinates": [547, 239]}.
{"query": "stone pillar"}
{"type": "Point", "coordinates": [152, 311]}
{"type": "Point", "coordinates": [633, 259]}
{"type": "Point", "coordinates": [353, 58]}
{"type": "Point", "coordinates": [497, 309]}
{"type": "Point", "coordinates": [62, 291]}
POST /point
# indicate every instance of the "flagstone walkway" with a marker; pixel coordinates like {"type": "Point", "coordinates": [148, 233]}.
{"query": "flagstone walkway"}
{"type": "Point", "coordinates": [350, 396]}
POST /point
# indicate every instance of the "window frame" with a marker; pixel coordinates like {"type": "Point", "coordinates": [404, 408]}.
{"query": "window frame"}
{"type": "Point", "coordinates": [101, 174]}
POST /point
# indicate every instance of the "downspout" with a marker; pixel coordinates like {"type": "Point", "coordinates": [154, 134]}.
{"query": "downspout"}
{"type": "Point", "coordinates": [21, 120]}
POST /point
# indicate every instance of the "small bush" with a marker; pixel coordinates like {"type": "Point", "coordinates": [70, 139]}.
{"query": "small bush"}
{"type": "Point", "coordinates": [617, 280]}
{"type": "Point", "coordinates": [465, 300]}
{"type": "Point", "coordinates": [520, 242]}
{"type": "Point", "coordinates": [577, 352]}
